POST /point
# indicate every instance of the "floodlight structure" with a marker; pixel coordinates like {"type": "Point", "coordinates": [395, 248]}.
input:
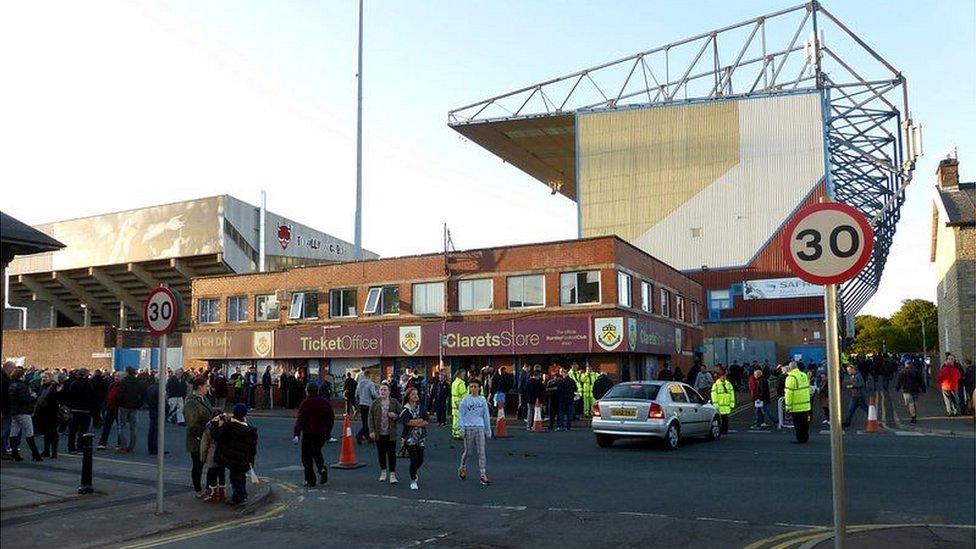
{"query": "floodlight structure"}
{"type": "Point", "coordinates": [871, 141]}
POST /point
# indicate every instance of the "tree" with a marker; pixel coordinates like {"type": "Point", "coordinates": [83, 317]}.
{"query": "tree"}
{"type": "Point", "coordinates": [902, 333]}
{"type": "Point", "coordinates": [913, 315]}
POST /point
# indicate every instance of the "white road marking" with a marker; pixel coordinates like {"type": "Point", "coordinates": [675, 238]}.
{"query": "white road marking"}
{"type": "Point", "coordinates": [909, 434]}
{"type": "Point", "coordinates": [506, 507]}
{"type": "Point", "coordinates": [637, 514]}
{"type": "Point", "coordinates": [438, 502]}
{"type": "Point", "coordinates": [290, 468]}
{"type": "Point", "coordinates": [711, 519]}
{"type": "Point", "coordinates": [797, 525]}
{"type": "Point", "coordinates": [573, 510]}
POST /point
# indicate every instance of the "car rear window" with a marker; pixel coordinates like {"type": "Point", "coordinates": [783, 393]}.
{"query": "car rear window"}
{"type": "Point", "coordinates": [638, 391]}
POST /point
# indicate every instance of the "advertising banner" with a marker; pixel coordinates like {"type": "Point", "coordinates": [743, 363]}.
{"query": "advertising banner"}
{"type": "Point", "coordinates": [650, 336]}
{"type": "Point", "coordinates": [320, 342]}
{"type": "Point", "coordinates": [569, 334]}
{"type": "Point", "coordinates": [780, 288]}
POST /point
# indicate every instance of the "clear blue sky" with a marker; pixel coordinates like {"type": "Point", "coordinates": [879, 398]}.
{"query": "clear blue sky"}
{"type": "Point", "coordinates": [115, 105]}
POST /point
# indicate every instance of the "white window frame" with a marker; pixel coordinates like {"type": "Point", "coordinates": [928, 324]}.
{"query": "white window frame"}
{"type": "Point", "coordinates": [666, 302]}
{"type": "Point", "coordinates": [695, 313]}
{"type": "Point", "coordinates": [239, 300]}
{"type": "Point", "coordinates": [382, 305]}
{"type": "Point", "coordinates": [625, 299]}
{"type": "Point", "coordinates": [257, 309]}
{"type": "Point", "coordinates": [472, 283]}
{"type": "Point", "coordinates": [373, 298]}
{"type": "Point", "coordinates": [213, 306]}
{"type": "Point", "coordinates": [342, 309]}
{"type": "Point", "coordinates": [508, 287]}
{"type": "Point", "coordinates": [575, 277]}
{"type": "Point", "coordinates": [422, 308]}
{"type": "Point", "coordinates": [726, 301]}
{"type": "Point", "coordinates": [679, 306]}
{"type": "Point", "coordinates": [647, 296]}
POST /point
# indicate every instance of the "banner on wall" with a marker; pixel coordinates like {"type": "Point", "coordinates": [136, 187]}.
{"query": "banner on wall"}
{"type": "Point", "coordinates": [780, 288]}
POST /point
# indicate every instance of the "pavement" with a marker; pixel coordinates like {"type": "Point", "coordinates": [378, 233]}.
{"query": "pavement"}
{"type": "Point", "coordinates": [752, 488]}
{"type": "Point", "coordinates": [932, 418]}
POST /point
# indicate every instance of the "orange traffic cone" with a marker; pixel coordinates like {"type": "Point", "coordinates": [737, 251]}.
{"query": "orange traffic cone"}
{"type": "Point", "coordinates": [347, 458]}
{"type": "Point", "coordinates": [501, 430]}
{"type": "Point", "coordinates": [872, 416]}
{"type": "Point", "coordinates": [537, 419]}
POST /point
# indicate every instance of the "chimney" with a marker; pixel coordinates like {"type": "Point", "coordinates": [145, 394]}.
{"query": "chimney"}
{"type": "Point", "coordinates": [948, 172]}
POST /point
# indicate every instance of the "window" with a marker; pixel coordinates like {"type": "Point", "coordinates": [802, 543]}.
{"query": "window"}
{"type": "Point", "coordinates": [579, 287]}
{"type": "Point", "coordinates": [624, 290]}
{"type": "Point", "coordinates": [428, 298]}
{"type": "Point", "coordinates": [665, 302]}
{"type": "Point", "coordinates": [647, 291]}
{"type": "Point", "coordinates": [383, 300]}
{"type": "Point", "coordinates": [679, 306]}
{"type": "Point", "coordinates": [208, 310]}
{"type": "Point", "coordinates": [526, 291]}
{"type": "Point", "coordinates": [304, 305]}
{"type": "Point", "coordinates": [342, 303]}
{"type": "Point", "coordinates": [693, 395]}
{"type": "Point", "coordinates": [266, 307]}
{"type": "Point", "coordinates": [719, 299]}
{"type": "Point", "coordinates": [237, 308]}
{"type": "Point", "coordinates": [636, 391]}
{"type": "Point", "coordinates": [475, 295]}
{"type": "Point", "coordinates": [695, 313]}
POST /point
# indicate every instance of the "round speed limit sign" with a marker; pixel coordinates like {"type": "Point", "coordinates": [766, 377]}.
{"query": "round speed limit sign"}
{"type": "Point", "coordinates": [161, 311]}
{"type": "Point", "coordinates": [828, 243]}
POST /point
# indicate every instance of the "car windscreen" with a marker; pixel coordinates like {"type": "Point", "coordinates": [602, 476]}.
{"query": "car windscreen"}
{"type": "Point", "coordinates": [639, 391]}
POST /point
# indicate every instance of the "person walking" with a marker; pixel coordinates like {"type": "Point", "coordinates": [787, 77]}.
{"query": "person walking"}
{"type": "Point", "coordinates": [723, 397]}
{"type": "Point", "coordinates": [220, 391]}
{"type": "Point", "coordinates": [476, 427]}
{"type": "Point", "coordinates": [46, 413]}
{"type": "Point", "coordinates": [440, 392]}
{"type": "Point", "coordinates": [823, 394]}
{"type": "Point", "coordinates": [760, 398]}
{"type": "Point", "coordinates": [237, 446]}
{"type": "Point", "coordinates": [21, 423]}
{"type": "Point", "coordinates": [855, 384]}
{"type": "Point", "coordinates": [313, 424]}
{"type": "Point", "coordinates": [197, 413]}
{"type": "Point", "coordinates": [266, 386]}
{"type": "Point", "coordinates": [175, 395]}
{"type": "Point", "coordinates": [80, 398]}
{"type": "Point", "coordinates": [909, 384]}
{"type": "Point", "coordinates": [948, 381]}
{"type": "Point", "coordinates": [151, 397]}
{"type": "Point", "coordinates": [349, 394]}
{"type": "Point", "coordinates": [111, 413]}
{"type": "Point", "coordinates": [552, 400]}
{"type": "Point", "coordinates": [458, 392]}
{"type": "Point", "coordinates": [130, 399]}
{"type": "Point", "coordinates": [534, 392]}
{"type": "Point", "coordinates": [366, 394]}
{"type": "Point", "coordinates": [250, 386]}
{"type": "Point", "coordinates": [414, 421]}
{"type": "Point", "coordinates": [704, 380]}
{"type": "Point", "coordinates": [383, 415]}
{"type": "Point", "coordinates": [796, 398]}
{"type": "Point", "coordinates": [208, 453]}
{"type": "Point", "coordinates": [567, 397]}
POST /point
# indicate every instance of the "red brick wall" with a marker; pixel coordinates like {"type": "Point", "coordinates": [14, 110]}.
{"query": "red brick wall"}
{"type": "Point", "coordinates": [59, 347]}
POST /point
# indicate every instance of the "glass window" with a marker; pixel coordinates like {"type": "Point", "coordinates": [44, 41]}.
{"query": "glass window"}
{"type": "Point", "coordinates": [237, 308]}
{"type": "Point", "coordinates": [208, 310]}
{"type": "Point", "coordinates": [647, 293]}
{"type": "Point", "coordinates": [624, 290]}
{"type": "Point", "coordinates": [266, 307]}
{"type": "Point", "coordinates": [677, 393]}
{"type": "Point", "coordinates": [579, 287]}
{"type": "Point", "coordinates": [638, 391]}
{"type": "Point", "coordinates": [693, 395]}
{"type": "Point", "coordinates": [372, 301]}
{"type": "Point", "coordinates": [679, 306]}
{"type": "Point", "coordinates": [304, 305]}
{"type": "Point", "coordinates": [695, 313]}
{"type": "Point", "coordinates": [719, 299]}
{"type": "Point", "coordinates": [383, 300]}
{"type": "Point", "coordinates": [665, 302]}
{"type": "Point", "coordinates": [475, 295]}
{"type": "Point", "coordinates": [428, 298]}
{"type": "Point", "coordinates": [342, 303]}
{"type": "Point", "coordinates": [526, 291]}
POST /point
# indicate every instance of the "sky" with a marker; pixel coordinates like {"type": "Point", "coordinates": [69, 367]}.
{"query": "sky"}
{"type": "Point", "coordinates": [110, 105]}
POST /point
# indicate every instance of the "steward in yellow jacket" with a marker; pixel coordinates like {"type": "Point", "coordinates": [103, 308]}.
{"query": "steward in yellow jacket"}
{"type": "Point", "coordinates": [797, 401]}
{"type": "Point", "coordinates": [459, 390]}
{"type": "Point", "coordinates": [723, 398]}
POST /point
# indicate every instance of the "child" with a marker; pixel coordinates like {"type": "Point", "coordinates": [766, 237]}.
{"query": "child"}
{"type": "Point", "coordinates": [208, 453]}
{"type": "Point", "coordinates": [237, 444]}
{"type": "Point", "coordinates": [475, 424]}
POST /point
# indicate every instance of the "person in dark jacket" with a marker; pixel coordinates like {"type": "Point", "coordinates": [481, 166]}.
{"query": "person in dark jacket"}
{"type": "Point", "coordinates": [552, 401]}
{"type": "Point", "coordinates": [567, 393]}
{"type": "Point", "coordinates": [665, 374]}
{"type": "Point", "coordinates": [110, 415]}
{"type": "Point", "coordinates": [440, 392]}
{"type": "Point", "coordinates": [602, 385]}
{"type": "Point", "coordinates": [313, 426]}
{"type": "Point", "coordinates": [46, 413]}
{"type": "Point", "coordinates": [100, 383]}
{"type": "Point", "coordinates": [198, 412]}
{"type": "Point", "coordinates": [761, 397]}
{"type": "Point", "coordinates": [151, 396]}
{"type": "Point", "coordinates": [5, 407]}
{"type": "Point", "coordinates": [80, 398]}
{"type": "Point", "coordinates": [130, 398]}
{"type": "Point", "coordinates": [692, 374]}
{"type": "Point", "coordinates": [220, 391]}
{"type": "Point", "coordinates": [237, 446]}
{"type": "Point", "coordinates": [175, 395]}
{"type": "Point", "coordinates": [535, 392]}
{"type": "Point", "coordinates": [910, 385]}
{"type": "Point", "coordinates": [349, 393]}
{"type": "Point", "coordinates": [266, 386]}
{"type": "Point", "coordinates": [21, 423]}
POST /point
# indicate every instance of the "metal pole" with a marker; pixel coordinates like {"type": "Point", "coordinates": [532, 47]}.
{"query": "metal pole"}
{"type": "Point", "coordinates": [160, 424]}
{"type": "Point", "coordinates": [358, 250]}
{"type": "Point", "coordinates": [262, 213]}
{"type": "Point", "coordinates": [836, 435]}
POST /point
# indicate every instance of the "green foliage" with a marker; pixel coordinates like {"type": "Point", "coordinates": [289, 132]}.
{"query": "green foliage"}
{"type": "Point", "coordinates": [902, 333]}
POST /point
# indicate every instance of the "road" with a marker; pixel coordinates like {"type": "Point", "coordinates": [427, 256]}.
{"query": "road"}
{"type": "Point", "coordinates": [561, 489]}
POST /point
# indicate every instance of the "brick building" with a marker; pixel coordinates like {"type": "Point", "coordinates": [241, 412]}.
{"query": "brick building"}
{"type": "Point", "coordinates": [597, 301]}
{"type": "Point", "coordinates": [954, 255]}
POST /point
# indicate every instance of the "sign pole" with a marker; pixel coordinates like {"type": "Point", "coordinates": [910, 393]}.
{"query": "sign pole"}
{"type": "Point", "coordinates": [836, 435]}
{"type": "Point", "coordinates": [161, 423]}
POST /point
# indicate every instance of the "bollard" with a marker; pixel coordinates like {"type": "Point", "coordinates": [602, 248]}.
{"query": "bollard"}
{"type": "Point", "coordinates": [87, 440]}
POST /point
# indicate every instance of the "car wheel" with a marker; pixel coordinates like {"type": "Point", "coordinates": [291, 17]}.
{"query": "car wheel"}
{"type": "Point", "coordinates": [672, 437]}
{"type": "Point", "coordinates": [714, 430]}
{"type": "Point", "coordinates": [604, 441]}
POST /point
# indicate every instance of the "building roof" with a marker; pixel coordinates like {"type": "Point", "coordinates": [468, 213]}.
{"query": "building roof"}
{"type": "Point", "coordinates": [18, 238]}
{"type": "Point", "coordinates": [959, 204]}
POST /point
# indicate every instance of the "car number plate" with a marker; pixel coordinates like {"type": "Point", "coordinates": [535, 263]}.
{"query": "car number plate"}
{"type": "Point", "coordinates": [623, 412]}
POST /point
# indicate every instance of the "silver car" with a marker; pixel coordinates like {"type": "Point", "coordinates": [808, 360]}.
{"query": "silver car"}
{"type": "Point", "coordinates": [667, 410]}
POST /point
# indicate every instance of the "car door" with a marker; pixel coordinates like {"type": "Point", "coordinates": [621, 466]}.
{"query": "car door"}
{"type": "Point", "coordinates": [702, 414]}
{"type": "Point", "coordinates": [680, 408]}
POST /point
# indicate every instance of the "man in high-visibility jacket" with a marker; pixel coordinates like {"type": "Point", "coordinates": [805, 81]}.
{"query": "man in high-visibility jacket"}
{"type": "Point", "coordinates": [459, 390]}
{"type": "Point", "coordinates": [587, 380]}
{"type": "Point", "coordinates": [723, 398]}
{"type": "Point", "coordinates": [577, 376]}
{"type": "Point", "coordinates": [797, 401]}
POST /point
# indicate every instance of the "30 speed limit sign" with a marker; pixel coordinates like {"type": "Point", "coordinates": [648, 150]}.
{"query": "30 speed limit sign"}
{"type": "Point", "coordinates": [161, 311]}
{"type": "Point", "coordinates": [828, 243]}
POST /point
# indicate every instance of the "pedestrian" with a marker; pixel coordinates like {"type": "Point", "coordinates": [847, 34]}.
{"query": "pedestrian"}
{"type": "Point", "coordinates": [383, 415]}
{"type": "Point", "coordinates": [948, 380]}
{"type": "Point", "coordinates": [665, 374]}
{"type": "Point", "coordinates": [797, 400]}
{"type": "Point", "coordinates": [734, 375]}
{"type": "Point", "coordinates": [237, 446]}
{"type": "Point", "coordinates": [325, 391]}
{"type": "Point", "coordinates": [80, 398]}
{"type": "Point", "coordinates": [602, 384]}
{"type": "Point", "coordinates": [501, 384]}
{"type": "Point", "coordinates": [197, 413]}
{"type": "Point", "coordinates": [366, 394]}
{"type": "Point", "coordinates": [175, 395]}
{"type": "Point", "coordinates": [220, 390]}
{"type": "Point", "coordinates": [552, 400]}
{"type": "Point", "coordinates": [534, 393]}
{"type": "Point", "coordinates": [414, 421]}
{"type": "Point", "coordinates": [476, 427]}
{"type": "Point", "coordinates": [568, 393]}
{"type": "Point", "coordinates": [266, 386]}
{"type": "Point", "coordinates": [130, 399]}
{"type": "Point", "coordinates": [969, 382]}
{"type": "Point", "coordinates": [692, 376]}
{"type": "Point", "coordinates": [21, 422]}
{"type": "Point", "coordinates": [250, 386]}
{"type": "Point", "coordinates": [46, 411]}
{"type": "Point", "coordinates": [110, 415]}
{"type": "Point", "coordinates": [703, 381]}
{"type": "Point", "coordinates": [909, 384]}
{"type": "Point", "coordinates": [458, 392]}
{"type": "Point", "coordinates": [855, 384]}
{"type": "Point", "coordinates": [588, 379]}
{"type": "Point", "coordinates": [151, 398]}
{"type": "Point", "coordinates": [349, 394]}
{"type": "Point", "coordinates": [208, 453]}
{"type": "Point", "coordinates": [440, 392]}
{"type": "Point", "coordinates": [760, 398]}
{"type": "Point", "coordinates": [823, 394]}
{"type": "Point", "coordinates": [523, 375]}
{"type": "Point", "coordinates": [313, 424]}
{"type": "Point", "coordinates": [723, 397]}
{"type": "Point", "coordinates": [678, 374]}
